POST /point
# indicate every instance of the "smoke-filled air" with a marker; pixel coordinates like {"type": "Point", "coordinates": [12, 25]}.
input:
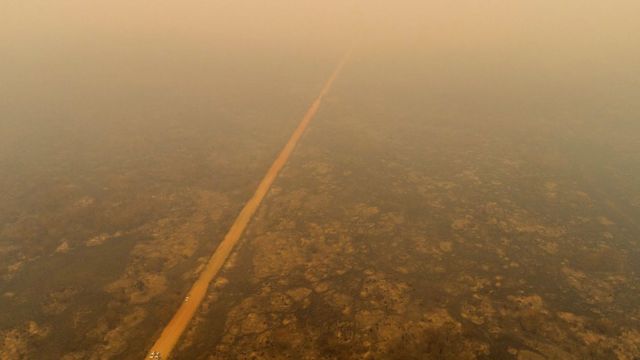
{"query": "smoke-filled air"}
{"type": "Point", "coordinates": [297, 179]}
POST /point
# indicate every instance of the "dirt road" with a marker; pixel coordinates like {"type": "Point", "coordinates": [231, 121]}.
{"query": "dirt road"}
{"type": "Point", "coordinates": [176, 326]}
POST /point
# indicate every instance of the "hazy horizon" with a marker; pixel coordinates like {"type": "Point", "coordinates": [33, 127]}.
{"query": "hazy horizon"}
{"type": "Point", "coordinates": [468, 187]}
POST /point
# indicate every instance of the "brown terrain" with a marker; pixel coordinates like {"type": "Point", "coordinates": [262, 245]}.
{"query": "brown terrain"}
{"type": "Point", "coordinates": [467, 189]}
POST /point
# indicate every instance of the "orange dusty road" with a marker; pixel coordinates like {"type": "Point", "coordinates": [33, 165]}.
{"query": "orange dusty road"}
{"type": "Point", "coordinates": [174, 329]}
